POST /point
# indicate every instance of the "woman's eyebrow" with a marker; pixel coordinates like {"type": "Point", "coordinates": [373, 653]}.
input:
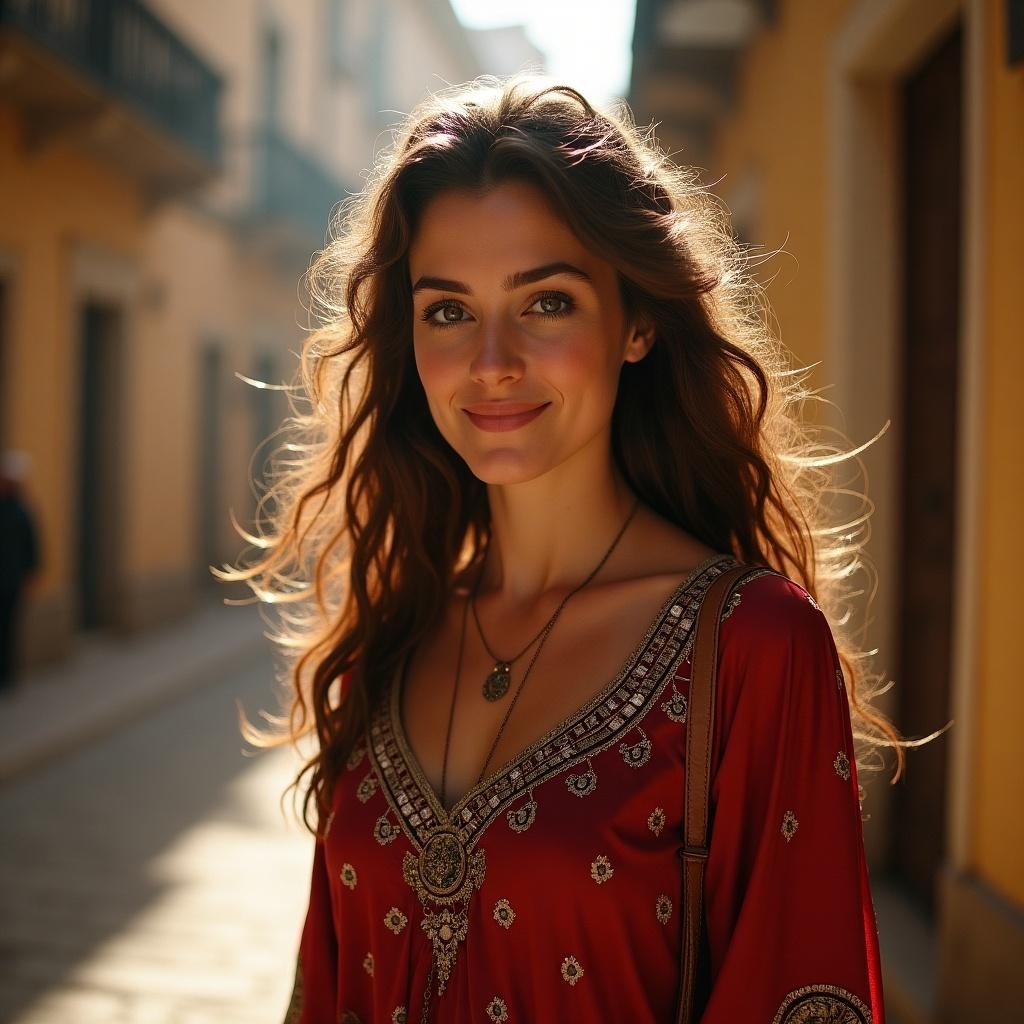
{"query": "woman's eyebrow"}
{"type": "Point", "coordinates": [513, 281]}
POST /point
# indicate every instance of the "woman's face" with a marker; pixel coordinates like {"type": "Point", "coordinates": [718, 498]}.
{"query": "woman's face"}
{"type": "Point", "coordinates": [511, 310]}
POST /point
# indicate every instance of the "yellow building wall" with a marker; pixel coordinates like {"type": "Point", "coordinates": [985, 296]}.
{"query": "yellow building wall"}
{"type": "Point", "coordinates": [999, 772]}
{"type": "Point", "coordinates": [778, 132]}
{"type": "Point", "coordinates": [50, 199]}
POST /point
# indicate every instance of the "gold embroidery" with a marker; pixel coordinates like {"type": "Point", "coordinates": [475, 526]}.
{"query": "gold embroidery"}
{"type": "Point", "coordinates": [384, 832]}
{"type": "Point", "coordinates": [842, 765]}
{"type": "Point", "coordinates": [601, 869]}
{"type": "Point", "coordinates": [395, 920]}
{"type": "Point", "coordinates": [348, 875]}
{"type": "Point", "coordinates": [520, 819]}
{"type": "Point", "coordinates": [789, 825]}
{"type": "Point", "coordinates": [503, 913]}
{"type": "Point", "coordinates": [675, 706]}
{"type": "Point", "coordinates": [367, 787]}
{"type": "Point", "coordinates": [663, 908]}
{"type": "Point", "coordinates": [636, 754]}
{"type": "Point", "coordinates": [294, 1011]}
{"type": "Point", "coordinates": [822, 1004]}
{"type": "Point", "coordinates": [444, 874]}
{"type": "Point", "coordinates": [571, 970]}
{"type": "Point", "coordinates": [497, 1009]}
{"type": "Point", "coordinates": [656, 820]}
{"type": "Point", "coordinates": [582, 785]}
{"type": "Point", "coordinates": [398, 1015]}
{"type": "Point", "coordinates": [368, 964]}
{"type": "Point", "coordinates": [355, 756]}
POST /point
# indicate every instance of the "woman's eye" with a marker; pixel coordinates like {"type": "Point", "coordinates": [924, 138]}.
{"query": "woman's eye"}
{"type": "Point", "coordinates": [450, 313]}
{"type": "Point", "coordinates": [554, 304]}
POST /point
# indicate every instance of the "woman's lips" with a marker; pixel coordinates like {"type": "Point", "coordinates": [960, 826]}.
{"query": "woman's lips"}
{"type": "Point", "coordinates": [505, 421]}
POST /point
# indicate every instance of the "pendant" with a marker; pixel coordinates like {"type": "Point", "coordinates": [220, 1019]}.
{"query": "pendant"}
{"type": "Point", "coordinates": [496, 684]}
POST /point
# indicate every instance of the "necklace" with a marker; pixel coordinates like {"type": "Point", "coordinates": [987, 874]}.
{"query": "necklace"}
{"type": "Point", "coordinates": [496, 685]}
{"type": "Point", "coordinates": [543, 635]}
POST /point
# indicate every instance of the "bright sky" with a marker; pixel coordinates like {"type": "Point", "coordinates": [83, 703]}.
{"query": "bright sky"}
{"type": "Point", "coordinates": [586, 42]}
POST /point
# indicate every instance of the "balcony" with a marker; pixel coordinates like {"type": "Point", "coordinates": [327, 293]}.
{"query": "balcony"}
{"type": "Point", "coordinates": [112, 77]}
{"type": "Point", "coordinates": [288, 196]}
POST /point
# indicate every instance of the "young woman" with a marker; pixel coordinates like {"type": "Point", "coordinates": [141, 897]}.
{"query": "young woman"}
{"type": "Point", "coordinates": [544, 417]}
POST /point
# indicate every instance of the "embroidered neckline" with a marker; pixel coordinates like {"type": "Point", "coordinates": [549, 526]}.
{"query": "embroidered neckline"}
{"type": "Point", "coordinates": [583, 733]}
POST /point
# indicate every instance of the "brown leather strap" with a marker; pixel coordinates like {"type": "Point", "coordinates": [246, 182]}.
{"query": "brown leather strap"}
{"type": "Point", "coordinates": [700, 718]}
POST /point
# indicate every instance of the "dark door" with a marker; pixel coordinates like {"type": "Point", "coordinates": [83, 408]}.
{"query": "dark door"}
{"type": "Point", "coordinates": [931, 287]}
{"type": "Point", "coordinates": [99, 455]}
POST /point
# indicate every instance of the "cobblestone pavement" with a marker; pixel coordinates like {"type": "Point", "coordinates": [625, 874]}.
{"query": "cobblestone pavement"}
{"type": "Point", "coordinates": [156, 876]}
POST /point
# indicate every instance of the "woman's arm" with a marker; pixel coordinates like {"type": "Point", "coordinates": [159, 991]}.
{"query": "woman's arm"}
{"type": "Point", "coordinates": [790, 921]}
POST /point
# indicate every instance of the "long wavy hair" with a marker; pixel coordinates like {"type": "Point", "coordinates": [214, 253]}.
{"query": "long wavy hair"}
{"type": "Point", "coordinates": [368, 516]}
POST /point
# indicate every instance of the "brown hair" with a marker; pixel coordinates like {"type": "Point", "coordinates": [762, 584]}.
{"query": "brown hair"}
{"type": "Point", "coordinates": [374, 515]}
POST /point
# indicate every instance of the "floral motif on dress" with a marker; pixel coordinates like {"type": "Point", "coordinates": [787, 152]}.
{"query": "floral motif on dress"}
{"type": "Point", "coordinates": [656, 820]}
{"type": "Point", "coordinates": [395, 920]}
{"type": "Point", "coordinates": [636, 754]}
{"type": "Point", "coordinates": [822, 1004]}
{"type": "Point", "coordinates": [521, 818]}
{"type": "Point", "coordinates": [497, 1009]}
{"type": "Point", "coordinates": [348, 875]}
{"type": "Point", "coordinates": [582, 785]}
{"type": "Point", "coordinates": [571, 970]}
{"type": "Point", "coordinates": [384, 831]}
{"type": "Point", "coordinates": [503, 913]}
{"type": "Point", "coordinates": [601, 869]}
{"type": "Point", "coordinates": [663, 908]}
{"type": "Point", "coordinates": [842, 766]}
{"type": "Point", "coordinates": [789, 825]}
{"type": "Point", "coordinates": [675, 707]}
{"type": "Point", "coordinates": [399, 1015]}
{"type": "Point", "coordinates": [367, 787]}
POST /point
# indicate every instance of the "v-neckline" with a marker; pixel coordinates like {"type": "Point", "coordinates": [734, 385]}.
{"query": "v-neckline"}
{"type": "Point", "coordinates": [397, 727]}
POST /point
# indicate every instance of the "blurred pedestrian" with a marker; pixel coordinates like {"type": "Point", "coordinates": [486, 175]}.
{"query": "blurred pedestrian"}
{"type": "Point", "coordinates": [19, 558]}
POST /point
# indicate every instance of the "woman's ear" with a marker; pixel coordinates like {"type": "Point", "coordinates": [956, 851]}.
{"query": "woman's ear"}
{"type": "Point", "coordinates": [641, 339]}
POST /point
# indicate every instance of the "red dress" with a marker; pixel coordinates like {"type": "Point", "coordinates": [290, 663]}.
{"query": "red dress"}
{"type": "Point", "coordinates": [551, 892]}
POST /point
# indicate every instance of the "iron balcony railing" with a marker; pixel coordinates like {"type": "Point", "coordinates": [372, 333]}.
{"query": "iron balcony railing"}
{"type": "Point", "coordinates": [128, 51]}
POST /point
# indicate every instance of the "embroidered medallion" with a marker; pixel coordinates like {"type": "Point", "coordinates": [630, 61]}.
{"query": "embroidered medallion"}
{"type": "Point", "coordinates": [444, 874]}
{"type": "Point", "coordinates": [294, 1011]}
{"type": "Point", "coordinates": [582, 785]}
{"type": "Point", "coordinates": [497, 1009]}
{"type": "Point", "coordinates": [636, 754]}
{"type": "Point", "coordinates": [663, 908]}
{"type": "Point", "coordinates": [822, 1004]}
{"type": "Point", "coordinates": [675, 706]}
{"type": "Point", "coordinates": [395, 920]}
{"type": "Point", "coordinates": [398, 1015]}
{"type": "Point", "coordinates": [503, 913]}
{"type": "Point", "coordinates": [348, 875]}
{"type": "Point", "coordinates": [789, 825]}
{"type": "Point", "coordinates": [521, 818]}
{"type": "Point", "coordinates": [571, 970]}
{"type": "Point", "coordinates": [656, 820]}
{"type": "Point", "coordinates": [842, 766]}
{"type": "Point", "coordinates": [367, 787]}
{"type": "Point", "coordinates": [601, 869]}
{"type": "Point", "coordinates": [384, 832]}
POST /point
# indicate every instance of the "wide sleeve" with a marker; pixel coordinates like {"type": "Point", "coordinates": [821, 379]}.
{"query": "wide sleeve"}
{"type": "Point", "coordinates": [314, 995]}
{"type": "Point", "coordinates": [790, 922]}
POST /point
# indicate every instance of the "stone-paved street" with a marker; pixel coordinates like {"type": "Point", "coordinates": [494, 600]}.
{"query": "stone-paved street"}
{"type": "Point", "coordinates": [155, 876]}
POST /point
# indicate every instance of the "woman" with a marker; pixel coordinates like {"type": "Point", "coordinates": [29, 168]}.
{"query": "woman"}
{"type": "Point", "coordinates": [544, 418]}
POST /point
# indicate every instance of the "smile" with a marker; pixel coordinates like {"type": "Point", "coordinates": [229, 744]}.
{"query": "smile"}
{"type": "Point", "coordinates": [506, 421]}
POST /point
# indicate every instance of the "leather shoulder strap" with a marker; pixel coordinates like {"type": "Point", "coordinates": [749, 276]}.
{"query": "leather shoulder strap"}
{"type": "Point", "coordinates": [699, 733]}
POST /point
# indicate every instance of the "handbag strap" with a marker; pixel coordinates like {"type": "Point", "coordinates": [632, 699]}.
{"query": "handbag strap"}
{"type": "Point", "coordinates": [699, 731]}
